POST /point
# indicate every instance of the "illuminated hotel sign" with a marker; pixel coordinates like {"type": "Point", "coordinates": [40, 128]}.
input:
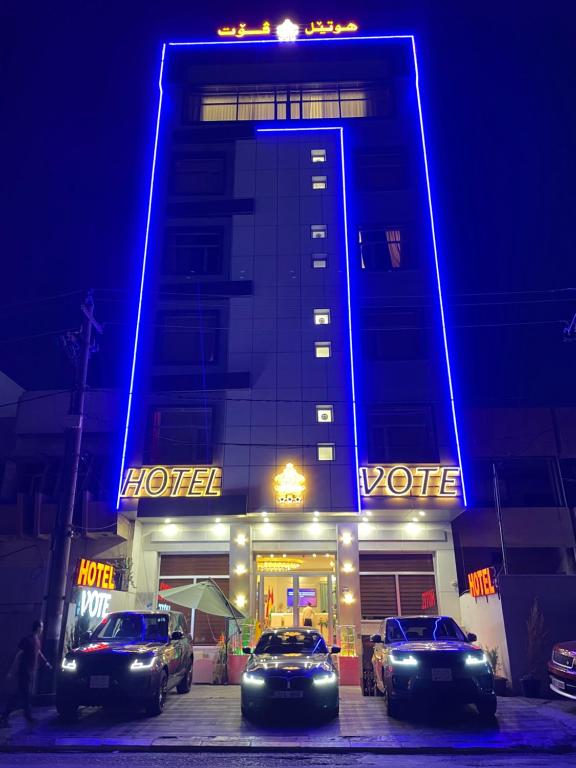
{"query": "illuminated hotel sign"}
{"type": "Point", "coordinates": [401, 480]}
{"type": "Point", "coordinates": [482, 583]}
{"type": "Point", "coordinates": [91, 573]}
{"type": "Point", "coordinates": [289, 486]}
{"type": "Point", "coordinates": [288, 30]}
{"type": "Point", "coordinates": [160, 481]}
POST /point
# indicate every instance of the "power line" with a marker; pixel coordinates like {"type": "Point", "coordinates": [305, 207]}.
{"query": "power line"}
{"type": "Point", "coordinates": [41, 299]}
{"type": "Point", "coordinates": [37, 335]}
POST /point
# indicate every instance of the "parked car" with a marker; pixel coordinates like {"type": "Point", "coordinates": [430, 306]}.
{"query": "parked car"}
{"type": "Point", "coordinates": [131, 658]}
{"type": "Point", "coordinates": [562, 669]}
{"type": "Point", "coordinates": [290, 669]}
{"type": "Point", "coordinates": [419, 658]}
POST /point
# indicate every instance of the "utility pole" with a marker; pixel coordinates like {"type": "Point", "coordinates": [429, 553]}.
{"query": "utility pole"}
{"type": "Point", "coordinates": [79, 348]}
{"type": "Point", "coordinates": [498, 505]}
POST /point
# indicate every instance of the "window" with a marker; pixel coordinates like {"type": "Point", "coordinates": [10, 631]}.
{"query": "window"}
{"type": "Point", "coordinates": [394, 334]}
{"type": "Point", "coordinates": [383, 249]}
{"type": "Point", "coordinates": [318, 155]}
{"type": "Point", "coordinates": [319, 261]}
{"type": "Point", "coordinates": [180, 436]}
{"type": "Point", "coordinates": [382, 171]}
{"type": "Point", "coordinates": [318, 231]}
{"type": "Point", "coordinates": [324, 414]}
{"type": "Point", "coordinates": [319, 182]}
{"type": "Point", "coordinates": [293, 102]}
{"type": "Point", "coordinates": [325, 451]}
{"type": "Point", "coordinates": [522, 482]}
{"type": "Point", "coordinates": [323, 348]}
{"type": "Point", "coordinates": [321, 317]}
{"type": "Point", "coordinates": [197, 175]}
{"type": "Point", "coordinates": [193, 251]}
{"type": "Point", "coordinates": [398, 434]}
{"type": "Point", "coordinates": [189, 338]}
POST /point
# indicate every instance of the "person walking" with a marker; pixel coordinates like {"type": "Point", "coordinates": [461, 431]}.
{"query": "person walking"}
{"type": "Point", "coordinates": [308, 615]}
{"type": "Point", "coordinates": [22, 673]}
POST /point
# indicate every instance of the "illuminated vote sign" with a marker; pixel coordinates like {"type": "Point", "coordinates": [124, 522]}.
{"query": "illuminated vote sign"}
{"type": "Point", "coordinates": [161, 481]}
{"type": "Point", "coordinates": [482, 583]}
{"type": "Point", "coordinates": [423, 480]}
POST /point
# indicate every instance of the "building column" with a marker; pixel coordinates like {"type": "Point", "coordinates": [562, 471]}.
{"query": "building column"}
{"type": "Point", "coordinates": [348, 581]}
{"type": "Point", "coordinates": [240, 568]}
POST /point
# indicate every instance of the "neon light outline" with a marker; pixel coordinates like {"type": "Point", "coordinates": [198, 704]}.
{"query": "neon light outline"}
{"type": "Point", "coordinates": [142, 278]}
{"type": "Point", "coordinates": [412, 38]}
{"type": "Point", "coordinates": [340, 129]}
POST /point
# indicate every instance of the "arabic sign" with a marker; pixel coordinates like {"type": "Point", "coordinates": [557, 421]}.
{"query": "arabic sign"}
{"type": "Point", "coordinates": [402, 480]}
{"type": "Point", "coordinates": [159, 480]}
{"type": "Point", "coordinates": [91, 573]}
{"type": "Point", "coordinates": [288, 30]}
{"type": "Point", "coordinates": [289, 486]}
{"type": "Point", "coordinates": [428, 599]}
{"type": "Point", "coordinates": [482, 583]}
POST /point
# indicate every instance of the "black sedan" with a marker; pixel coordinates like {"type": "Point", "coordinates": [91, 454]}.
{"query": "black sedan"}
{"type": "Point", "coordinates": [131, 658]}
{"type": "Point", "coordinates": [430, 658]}
{"type": "Point", "coordinates": [291, 670]}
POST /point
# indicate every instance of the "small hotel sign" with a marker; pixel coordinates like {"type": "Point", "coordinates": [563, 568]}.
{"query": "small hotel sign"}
{"type": "Point", "coordinates": [482, 583]}
{"type": "Point", "coordinates": [161, 481]}
{"type": "Point", "coordinates": [91, 573]}
{"type": "Point", "coordinates": [288, 30]}
{"type": "Point", "coordinates": [403, 480]}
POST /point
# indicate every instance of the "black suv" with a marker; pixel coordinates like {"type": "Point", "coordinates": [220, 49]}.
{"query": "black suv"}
{"type": "Point", "coordinates": [132, 657]}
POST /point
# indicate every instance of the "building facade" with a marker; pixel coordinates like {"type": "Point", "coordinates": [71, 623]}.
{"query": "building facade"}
{"type": "Point", "coordinates": [291, 428]}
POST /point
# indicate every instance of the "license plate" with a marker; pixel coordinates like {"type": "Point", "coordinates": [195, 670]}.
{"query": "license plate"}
{"type": "Point", "coordinates": [441, 675]}
{"type": "Point", "coordinates": [99, 681]}
{"type": "Point", "coordinates": [287, 695]}
{"type": "Point", "coordinates": [560, 684]}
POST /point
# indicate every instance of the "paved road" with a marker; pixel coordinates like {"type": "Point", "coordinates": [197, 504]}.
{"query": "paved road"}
{"type": "Point", "coordinates": [214, 760]}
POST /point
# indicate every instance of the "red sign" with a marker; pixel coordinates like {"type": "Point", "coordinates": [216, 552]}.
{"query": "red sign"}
{"type": "Point", "coordinates": [482, 583]}
{"type": "Point", "coordinates": [93, 574]}
{"type": "Point", "coordinates": [428, 599]}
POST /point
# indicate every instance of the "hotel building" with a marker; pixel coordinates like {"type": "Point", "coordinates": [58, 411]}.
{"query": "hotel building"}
{"type": "Point", "coordinates": [291, 428]}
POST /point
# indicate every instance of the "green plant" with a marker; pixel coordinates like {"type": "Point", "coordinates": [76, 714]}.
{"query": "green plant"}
{"type": "Point", "coordinates": [494, 658]}
{"type": "Point", "coordinates": [535, 641]}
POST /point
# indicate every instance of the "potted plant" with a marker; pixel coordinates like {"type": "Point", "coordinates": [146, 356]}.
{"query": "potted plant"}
{"type": "Point", "coordinates": [500, 682]}
{"type": "Point", "coordinates": [535, 639]}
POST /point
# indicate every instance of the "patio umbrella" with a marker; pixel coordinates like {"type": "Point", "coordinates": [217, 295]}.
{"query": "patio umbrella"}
{"type": "Point", "coordinates": [205, 596]}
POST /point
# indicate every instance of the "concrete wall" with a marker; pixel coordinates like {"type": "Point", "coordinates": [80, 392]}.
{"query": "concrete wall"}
{"type": "Point", "coordinates": [484, 617]}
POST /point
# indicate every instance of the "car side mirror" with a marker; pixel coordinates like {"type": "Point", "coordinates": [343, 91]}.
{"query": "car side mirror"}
{"type": "Point", "coordinates": [177, 635]}
{"type": "Point", "coordinates": [335, 649]}
{"type": "Point", "coordinates": [472, 637]}
{"type": "Point", "coordinates": [375, 638]}
{"type": "Point", "coordinates": [85, 638]}
{"type": "Point", "coordinates": [247, 650]}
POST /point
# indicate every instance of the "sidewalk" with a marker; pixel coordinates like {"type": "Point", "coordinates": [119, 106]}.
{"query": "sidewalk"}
{"type": "Point", "coordinates": [209, 719]}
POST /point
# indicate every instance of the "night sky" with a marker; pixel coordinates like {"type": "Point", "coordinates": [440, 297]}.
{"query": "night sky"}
{"type": "Point", "coordinates": [77, 106]}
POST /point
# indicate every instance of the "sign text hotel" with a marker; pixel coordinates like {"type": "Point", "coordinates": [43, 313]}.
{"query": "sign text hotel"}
{"type": "Point", "coordinates": [161, 481]}
{"type": "Point", "coordinates": [410, 480]}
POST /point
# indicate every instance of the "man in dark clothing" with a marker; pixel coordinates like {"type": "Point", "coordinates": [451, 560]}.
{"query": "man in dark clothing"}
{"type": "Point", "coordinates": [22, 671]}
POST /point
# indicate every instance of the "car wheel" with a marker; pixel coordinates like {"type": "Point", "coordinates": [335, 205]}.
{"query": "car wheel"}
{"type": "Point", "coordinates": [186, 683]}
{"type": "Point", "coordinates": [487, 707]}
{"type": "Point", "coordinates": [394, 708]}
{"type": "Point", "coordinates": [67, 711]}
{"type": "Point", "coordinates": [156, 705]}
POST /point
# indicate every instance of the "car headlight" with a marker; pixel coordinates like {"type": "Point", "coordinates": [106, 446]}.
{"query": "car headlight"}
{"type": "Point", "coordinates": [328, 679]}
{"type": "Point", "coordinates": [69, 665]}
{"type": "Point", "coordinates": [145, 663]}
{"type": "Point", "coordinates": [403, 661]}
{"type": "Point", "coordinates": [473, 660]}
{"type": "Point", "coordinates": [252, 679]}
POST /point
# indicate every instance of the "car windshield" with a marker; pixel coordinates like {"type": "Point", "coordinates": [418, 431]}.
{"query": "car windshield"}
{"type": "Point", "coordinates": [426, 628]}
{"type": "Point", "coordinates": [133, 626]}
{"type": "Point", "coordinates": [291, 642]}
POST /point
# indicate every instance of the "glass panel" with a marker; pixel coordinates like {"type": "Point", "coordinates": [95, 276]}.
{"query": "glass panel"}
{"type": "Point", "coordinates": [314, 608]}
{"type": "Point", "coordinates": [278, 602]}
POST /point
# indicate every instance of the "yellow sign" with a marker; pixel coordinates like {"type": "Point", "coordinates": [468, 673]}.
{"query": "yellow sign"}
{"type": "Point", "coordinates": [288, 30]}
{"type": "Point", "coordinates": [289, 486]}
{"type": "Point", "coordinates": [402, 480]}
{"type": "Point", "coordinates": [159, 480]}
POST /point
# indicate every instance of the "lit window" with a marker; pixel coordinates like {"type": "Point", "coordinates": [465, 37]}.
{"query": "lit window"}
{"type": "Point", "coordinates": [324, 414]}
{"type": "Point", "coordinates": [325, 451]}
{"type": "Point", "coordinates": [321, 317]}
{"type": "Point", "coordinates": [318, 155]}
{"type": "Point", "coordinates": [319, 261]}
{"type": "Point", "coordinates": [323, 349]}
{"type": "Point", "coordinates": [319, 182]}
{"type": "Point", "coordinates": [318, 231]}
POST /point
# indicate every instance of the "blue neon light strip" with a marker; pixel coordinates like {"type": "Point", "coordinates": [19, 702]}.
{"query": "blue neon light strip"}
{"type": "Point", "coordinates": [142, 278]}
{"type": "Point", "coordinates": [438, 280]}
{"type": "Point", "coordinates": [340, 129]}
{"type": "Point", "coordinates": [275, 41]}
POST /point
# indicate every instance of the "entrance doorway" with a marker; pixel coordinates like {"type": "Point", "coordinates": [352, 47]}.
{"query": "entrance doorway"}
{"type": "Point", "coordinates": [297, 591]}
